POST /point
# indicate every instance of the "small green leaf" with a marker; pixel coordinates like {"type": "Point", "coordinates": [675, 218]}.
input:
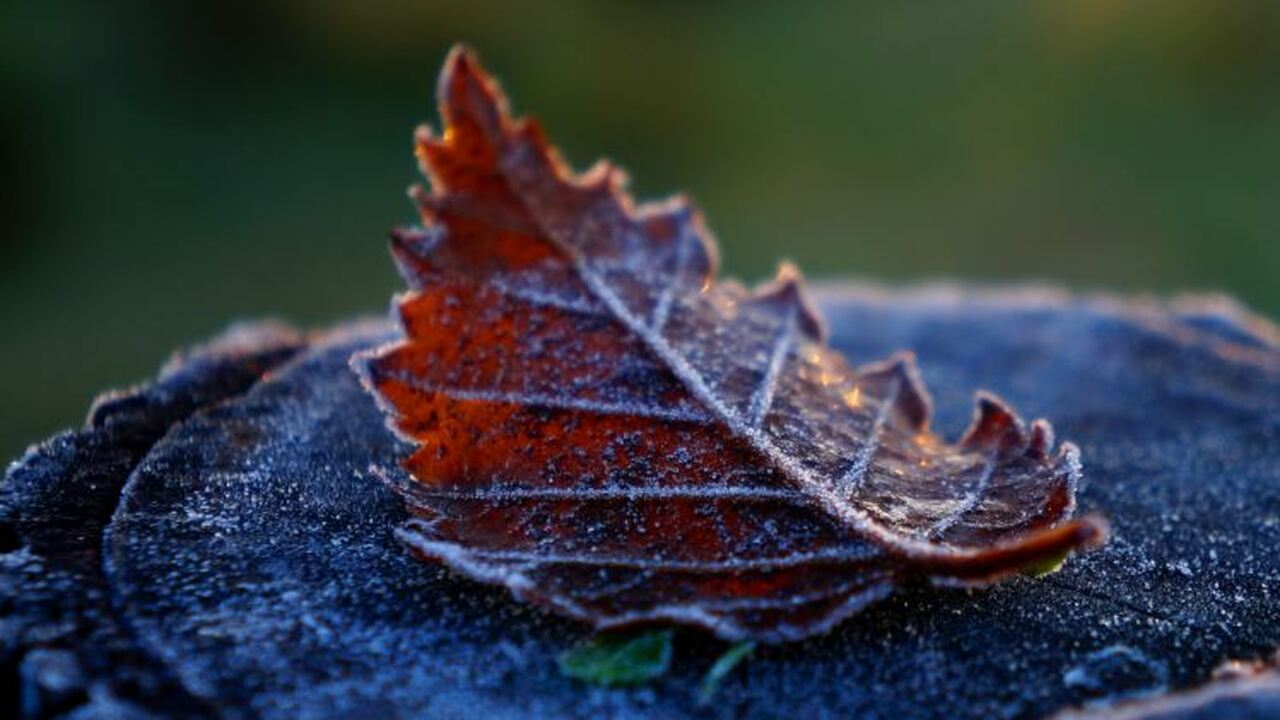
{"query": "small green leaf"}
{"type": "Point", "coordinates": [1048, 566]}
{"type": "Point", "coordinates": [613, 660]}
{"type": "Point", "coordinates": [721, 669]}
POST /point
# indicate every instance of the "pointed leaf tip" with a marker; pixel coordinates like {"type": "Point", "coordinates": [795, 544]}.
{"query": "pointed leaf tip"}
{"type": "Point", "coordinates": [995, 426]}
{"type": "Point", "coordinates": [1041, 442]}
{"type": "Point", "coordinates": [468, 94]}
{"type": "Point", "coordinates": [787, 294]}
{"type": "Point", "coordinates": [679, 219]}
{"type": "Point", "coordinates": [899, 377]}
{"type": "Point", "coordinates": [411, 250]}
{"type": "Point", "coordinates": [461, 62]}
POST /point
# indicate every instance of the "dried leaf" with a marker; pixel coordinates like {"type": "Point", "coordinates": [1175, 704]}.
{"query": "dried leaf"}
{"type": "Point", "coordinates": [610, 431]}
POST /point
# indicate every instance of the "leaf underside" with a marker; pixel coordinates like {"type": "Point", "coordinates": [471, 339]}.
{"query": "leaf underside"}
{"type": "Point", "coordinates": [611, 432]}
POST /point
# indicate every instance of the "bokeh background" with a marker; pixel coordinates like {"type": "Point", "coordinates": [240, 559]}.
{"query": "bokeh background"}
{"type": "Point", "coordinates": [170, 166]}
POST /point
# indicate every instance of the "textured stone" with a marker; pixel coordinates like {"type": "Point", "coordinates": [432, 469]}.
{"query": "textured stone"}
{"type": "Point", "coordinates": [251, 554]}
{"type": "Point", "coordinates": [61, 645]}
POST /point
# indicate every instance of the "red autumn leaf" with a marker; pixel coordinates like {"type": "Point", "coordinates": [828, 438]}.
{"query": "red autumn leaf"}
{"type": "Point", "coordinates": [610, 431]}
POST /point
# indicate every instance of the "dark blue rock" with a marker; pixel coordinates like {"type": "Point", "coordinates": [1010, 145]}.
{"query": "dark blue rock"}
{"type": "Point", "coordinates": [252, 561]}
{"type": "Point", "coordinates": [61, 645]}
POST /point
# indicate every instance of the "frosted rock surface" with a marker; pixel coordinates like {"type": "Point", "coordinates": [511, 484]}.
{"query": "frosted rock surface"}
{"type": "Point", "coordinates": [252, 552]}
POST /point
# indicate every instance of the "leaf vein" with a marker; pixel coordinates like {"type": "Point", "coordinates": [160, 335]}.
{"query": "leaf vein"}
{"type": "Point", "coordinates": [762, 399]}
{"type": "Point", "coordinates": [552, 401]}
{"type": "Point", "coordinates": [853, 478]}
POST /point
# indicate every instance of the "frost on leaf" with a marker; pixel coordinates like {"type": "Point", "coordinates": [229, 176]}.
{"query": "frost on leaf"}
{"type": "Point", "coordinates": [610, 431]}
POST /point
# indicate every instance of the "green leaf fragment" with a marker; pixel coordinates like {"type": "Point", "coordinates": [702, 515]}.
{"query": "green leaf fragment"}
{"type": "Point", "coordinates": [721, 669]}
{"type": "Point", "coordinates": [1048, 566]}
{"type": "Point", "coordinates": [614, 660]}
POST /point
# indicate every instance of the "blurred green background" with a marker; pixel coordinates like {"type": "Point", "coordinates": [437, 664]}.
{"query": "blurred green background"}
{"type": "Point", "coordinates": [170, 166]}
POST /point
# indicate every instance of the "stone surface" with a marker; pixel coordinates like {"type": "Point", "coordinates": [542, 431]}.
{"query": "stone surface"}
{"type": "Point", "coordinates": [251, 560]}
{"type": "Point", "coordinates": [61, 645]}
